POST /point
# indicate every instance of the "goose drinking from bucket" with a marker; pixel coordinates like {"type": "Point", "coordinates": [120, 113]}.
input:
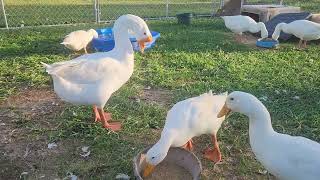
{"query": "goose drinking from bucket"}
{"type": "Point", "coordinates": [240, 24]}
{"type": "Point", "coordinates": [185, 120]}
{"type": "Point", "coordinates": [303, 29]}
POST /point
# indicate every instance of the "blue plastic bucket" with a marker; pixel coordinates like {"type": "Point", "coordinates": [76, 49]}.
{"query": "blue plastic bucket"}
{"type": "Point", "coordinates": [105, 41]}
{"type": "Point", "coordinates": [267, 43]}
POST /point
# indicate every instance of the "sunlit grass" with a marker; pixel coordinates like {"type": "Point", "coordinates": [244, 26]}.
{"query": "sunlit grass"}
{"type": "Point", "coordinates": [188, 60]}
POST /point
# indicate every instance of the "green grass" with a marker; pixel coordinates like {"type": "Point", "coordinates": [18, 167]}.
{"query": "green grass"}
{"type": "Point", "coordinates": [187, 61]}
{"type": "Point", "coordinates": [44, 12]}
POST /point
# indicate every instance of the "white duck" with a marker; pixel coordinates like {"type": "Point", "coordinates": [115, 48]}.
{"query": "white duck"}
{"type": "Point", "coordinates": [92, 78]}
{"type": "Point", "coordinates": [185, 120]}
{"type": "Point", "coordinates": [79, 40]}
{"type": "Point", "coordinates": [303, 29]}
{"type": "Point", "coordinates": [239, 24]}
{"type": "Point", "coordinates": [286, 157]}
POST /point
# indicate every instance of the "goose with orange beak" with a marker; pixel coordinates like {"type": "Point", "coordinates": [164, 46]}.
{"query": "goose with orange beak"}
{"type": "Point", "coordinates": [143, 41]}
{"type": "Point", "coordinates": [185, 120]}
{"type": "Point", "coordinates": [286, 157]}
{"type": "Point", "coordinates": [91, 79]}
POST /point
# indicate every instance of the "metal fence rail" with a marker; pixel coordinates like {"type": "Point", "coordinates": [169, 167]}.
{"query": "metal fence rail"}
{"type": "Point", "coordinates": [21, 13]}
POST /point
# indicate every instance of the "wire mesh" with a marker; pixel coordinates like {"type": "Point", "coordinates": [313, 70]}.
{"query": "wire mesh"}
{"type": "Point", "coordinates": [47, 12]}
{"type": "Point", "coordinates": [21, 13]}
{"type": "Point", "coordinates": [263, 2]}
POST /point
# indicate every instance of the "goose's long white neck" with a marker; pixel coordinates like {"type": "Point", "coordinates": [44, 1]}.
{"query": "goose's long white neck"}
{"type": "Point", "coordinates": [263, 30]}
{"type": "Point", "coordinates": [280, 27]}
{"type": "Point", "coordinates": [123, 47]}
{"type": "Point", "coordinates": [260, 127]}
{"type": "Point", "coordinates": [165, 141]}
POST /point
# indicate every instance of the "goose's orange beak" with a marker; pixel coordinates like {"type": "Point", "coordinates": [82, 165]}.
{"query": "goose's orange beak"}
{"type": "Point", "coordinates": [148, 170]}
{"type": "Point", "coordinates": [143, 41]}
{"type": "Point", "coordinates": [224, 111]}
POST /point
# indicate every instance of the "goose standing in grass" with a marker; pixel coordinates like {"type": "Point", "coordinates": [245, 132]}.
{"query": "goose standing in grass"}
{"type": "Point", "coordinates": [240, 24]}
{"type": "Point", "coordinates": [92, 78]}
{"type": "Point", "coordinates": [185, 120]}
{"type": "Point", "coordinates": [79, 40]}
{"type": "Point", "coordinates": [286, 157]}
{"type": "Point", "coordinates": [303, 29]}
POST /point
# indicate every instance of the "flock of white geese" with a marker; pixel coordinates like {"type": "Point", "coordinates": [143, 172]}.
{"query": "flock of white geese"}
{"type": "Point", "coordinates": [91, 79]}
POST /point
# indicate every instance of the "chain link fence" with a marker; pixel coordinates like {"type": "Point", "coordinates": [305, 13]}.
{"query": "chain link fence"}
{"type": "Point", "coordinates": [20, 13]}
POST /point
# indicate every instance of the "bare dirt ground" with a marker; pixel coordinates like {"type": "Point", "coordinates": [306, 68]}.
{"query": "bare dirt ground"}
{"type": "Point", "coordinates": [159, 96]}
{"type": "Point", "coordinates": [23, 152]}
{"type": "Point", "coordinates": [247, 39]}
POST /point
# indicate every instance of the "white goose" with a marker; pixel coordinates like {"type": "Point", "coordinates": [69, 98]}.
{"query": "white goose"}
{"type": "Point", "coordinates": [303, 29]}
{"type": "Point", "coordinates": [79, 40]}
{"type": "Point", "coordinates": [92, 78]}
{"type": "Point", "coordinates": [239, 24]}
{"type": "Point", "coordinates": [286, 157]}
{"type": "Point", "coordinates": [185, 120]}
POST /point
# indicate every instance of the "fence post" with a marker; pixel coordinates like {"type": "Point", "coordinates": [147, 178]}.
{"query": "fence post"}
{"type": "Point", "coordinates": [221, 3]}
{"type": "Point", "coordinates": [213, 6]}
{"type": "Point", "coordinates": [281, 2]}
{"type": "Point", "coordinates": [97, 10]}
{"type": "Point", "coordinates": [4, 14]}
{"type": "Point", "coordinates": [167, 8]}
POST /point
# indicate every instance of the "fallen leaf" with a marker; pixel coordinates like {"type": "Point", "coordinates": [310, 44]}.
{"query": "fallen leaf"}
{"type": "Point", "coordinates": [85, 148]}
{"type": "Point", "coordinates": [264, 98]}
{"type": "Point", "coordinates": [23, 174]}
{"type": "Point", "coordinates": [26, 152]}
{"type": "Point", "coordinates": [70, 176]}
{"type": "Point", "coordinates": [137, 100]}
{"type": "Point", "coordinates": [85, 154]}
{"type": "Point", "coordinates": [122, 176]}
{"type": "Point", "coordinates": [296, 98]}
{"type": "Point", "coordinates": [52, 145]}
{"type": "Point", "coordinates": [263, 172]}
{"type": "Point", "coordinates": [73, 177]}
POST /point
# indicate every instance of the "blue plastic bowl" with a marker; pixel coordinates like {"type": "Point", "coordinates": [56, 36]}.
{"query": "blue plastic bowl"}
{"type": "Point", "coordinates": [267, 43]}
{"type": "Point", "coordinates": [105, 41]}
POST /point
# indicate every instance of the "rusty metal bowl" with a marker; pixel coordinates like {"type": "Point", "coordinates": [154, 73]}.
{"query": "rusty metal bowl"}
{"type": "Point", "coordinates": [178, 156]}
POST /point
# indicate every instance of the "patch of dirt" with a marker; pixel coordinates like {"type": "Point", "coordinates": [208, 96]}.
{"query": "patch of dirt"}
{"type": "Point", "coordinates": [247, 39]}
{"type": "Point", "coordinates": [161, 97]}
{"type": "Point", "coordinates": [23, 145]}
{"type": "Point", "coordinates": [28, 108]}
{"type": "Point", "coordinates": [170, 171]}
{"type": "Point", "coordinates": [32, 103]}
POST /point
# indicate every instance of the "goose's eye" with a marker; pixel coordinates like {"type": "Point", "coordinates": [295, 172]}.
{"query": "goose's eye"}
{"type": "Point", "coordinates": [231, 99]}
{"type": "Point", "coordinates": [145, 33]}
{"type": "Point", "coordinates": [153, 157]}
